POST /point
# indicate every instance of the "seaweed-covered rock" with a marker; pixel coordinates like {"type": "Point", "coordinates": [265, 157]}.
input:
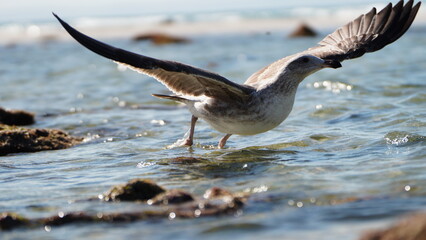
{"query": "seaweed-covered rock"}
{"type": "Point", "coordinates": [410, 228]}
{"type": "Point", "coordinates": [16, 140]}
{"type": "Point", "coordinates": [160, 38]}
{"type": "Point", "coordinates": [10, 221]}
{"type": "Point", "coordinates": [303, 31]}
{"type": "Point", "coordinates": [134, 190]}
{"type": "Point", "coordinates": [174, 196]}
{"type": "Point", "coordinates": [16, 117]}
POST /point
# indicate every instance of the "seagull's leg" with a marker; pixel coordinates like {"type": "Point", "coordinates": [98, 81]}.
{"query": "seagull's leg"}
{"type": "Point", "coordinates": [222, 141]}
{"type": "Point", "coordinates": [189, 139]}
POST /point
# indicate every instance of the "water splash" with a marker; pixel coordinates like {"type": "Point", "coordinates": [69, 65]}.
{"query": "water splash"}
{"type": "Point", "coordinates": [399, 138]}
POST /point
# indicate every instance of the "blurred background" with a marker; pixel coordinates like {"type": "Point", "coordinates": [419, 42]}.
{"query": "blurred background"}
{"type": "Point", "coordinates": [29, 20]}
{"type": "Point", "coordinates": [350, 157]}
{"type": "Point", "coordinates": [29, 11]}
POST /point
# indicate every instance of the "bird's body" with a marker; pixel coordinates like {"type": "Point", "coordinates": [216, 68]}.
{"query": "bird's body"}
{"type": "Point", "coordinates": [256, 114]}
{"type": "Point", "coordinates": [266, 98]}
{"type": "Point", "coordinates": [261, 109]}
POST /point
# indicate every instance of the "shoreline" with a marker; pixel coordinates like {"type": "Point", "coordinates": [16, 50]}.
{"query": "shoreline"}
{"type": "Point", "coordinates": [127, 30]}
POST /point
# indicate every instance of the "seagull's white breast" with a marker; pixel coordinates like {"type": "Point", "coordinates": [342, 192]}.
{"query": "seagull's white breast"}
{"type": "Point", "coordinates": [258, 116]}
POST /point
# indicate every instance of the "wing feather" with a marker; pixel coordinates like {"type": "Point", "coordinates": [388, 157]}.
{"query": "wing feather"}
{"type": "Point", "coordinates": [369, 32]}
{"type": "Point", "coordinates": [183, 80]}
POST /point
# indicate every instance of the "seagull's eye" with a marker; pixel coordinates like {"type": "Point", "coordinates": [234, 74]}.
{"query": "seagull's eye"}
{"type": "Point", "coordinates": [305, 59]}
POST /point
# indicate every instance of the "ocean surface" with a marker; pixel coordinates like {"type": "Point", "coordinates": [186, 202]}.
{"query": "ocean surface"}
{"type": "Point", "coordinates": [350, 157]}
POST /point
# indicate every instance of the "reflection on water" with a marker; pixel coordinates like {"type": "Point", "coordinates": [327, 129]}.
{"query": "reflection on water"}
{"type": "Point", "coordinates": [351, 152]}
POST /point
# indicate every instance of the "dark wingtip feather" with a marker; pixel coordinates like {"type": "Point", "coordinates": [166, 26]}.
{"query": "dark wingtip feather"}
{"type": "Point", "coordinates": [376, 30]}
{"type": "Point", "coordinates": [109, 51]}
{"type": "Point", "coordinates": [141, 61]}
{"type": "Point", "coordinates": [399, 22]}
{"type": "Point", "coordinates": [90, 43]}
{"type": "Point", "coordinates": [410, 19]}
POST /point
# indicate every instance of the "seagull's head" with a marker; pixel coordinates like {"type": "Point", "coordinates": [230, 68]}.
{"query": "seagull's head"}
{"type": "Point", "coordinates": [294, 70]}
{"type": "Point", "coordinates": [305, 65]}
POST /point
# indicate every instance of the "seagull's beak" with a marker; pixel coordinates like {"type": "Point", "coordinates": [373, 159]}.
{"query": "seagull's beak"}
{"type": "Point", "coordinates": [328, 63]}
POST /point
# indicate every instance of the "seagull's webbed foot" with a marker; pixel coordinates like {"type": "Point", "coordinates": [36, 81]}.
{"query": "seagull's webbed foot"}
{"type": "Point", "coordinates": [190, 139]}
{"type": "Point", "coordinates": [223, 140]}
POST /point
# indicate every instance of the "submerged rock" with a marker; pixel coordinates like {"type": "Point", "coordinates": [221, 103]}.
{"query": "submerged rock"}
{"type": "Point", "coordinates": [174, 196]}
{"type": "Point", "coordinates": [16, 117]}
{"type": "Point", "coordinates": [17, 140]}
{"type": "Point", "coordinates": [134, 190]}
{"type": "Point", "coordinates": [82, 217]}
{"type": "Point", "coordinates": [10, 221]}
{"type": "Point", "coordinates": [62, 219]}
{"type": "Point", "coordinates": [410, 228]}
{"type": "Point", "coordinates": [186, 160]}
{"type": "Point", "coordinates": [173, 204]}
{"type": "Point", "coordinates": [217, 192]}
{"type": "Point", "coordinates": [303, 31]}
{"type": "Point", "coordinates": [160, 38]}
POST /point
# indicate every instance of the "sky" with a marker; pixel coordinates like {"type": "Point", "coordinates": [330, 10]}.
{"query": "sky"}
{"type": "Point", "coordinates": [22, 11]}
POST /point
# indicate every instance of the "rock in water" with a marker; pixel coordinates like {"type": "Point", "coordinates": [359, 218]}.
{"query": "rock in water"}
{"type": "Point", "coordinates": [166, 204]}
{"type": "Point", "coordinates": [10, 221]}
{"type": "Point", "coordinates": [303, 31]}
{"type": "Point", "coordinates": [134, 190]}
{"type": "Point", "coordinates": [160, 38]}
{"type": "Point", "coordinates": [410, 228]}
{"type": "Point", "coordinates": [16, 117]}
{"type": "Point", "coordinates": [17, 140]}
{"type": "Point", "coordinates": [174, 196]}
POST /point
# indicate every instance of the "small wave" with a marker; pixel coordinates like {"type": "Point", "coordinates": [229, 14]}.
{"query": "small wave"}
{"type": "Point", "coordinates": [400, 138]}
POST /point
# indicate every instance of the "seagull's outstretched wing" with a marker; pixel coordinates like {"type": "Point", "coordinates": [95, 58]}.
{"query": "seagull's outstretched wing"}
{"type": "Point", "coordinates": [183, 80]}
{"type": "Point", "coordinates": [367, 33]}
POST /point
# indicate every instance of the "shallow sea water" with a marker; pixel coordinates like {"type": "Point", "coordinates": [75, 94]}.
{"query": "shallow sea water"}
{"type": "Point", "coordinates": [350, 157]}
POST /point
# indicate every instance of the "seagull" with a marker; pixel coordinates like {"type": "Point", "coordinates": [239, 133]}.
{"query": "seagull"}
{"type": "Point", "coordinates": [266, 98]}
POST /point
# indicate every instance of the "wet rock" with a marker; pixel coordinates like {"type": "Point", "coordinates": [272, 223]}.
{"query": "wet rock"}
{"type": "Point", "coordinates": [130, 217]}
{"type": "Point", "coordinates": [174, 196]}
{"type": "Point", "coordinates": [17, 140]}
{"type": "Point", "coordinates": [410, 228]}
{"type": "Point", "coordinates": [160, 38]}
{"type": "Point", "coordinates": [208, 207]}
{"type": "Point", "coordinates": [303, 31]}
{"type": "Point", "coordinates": [186, 160]}
{"type": "Point", "coordinates": [10, 221]}
{"type": "Point", "coordinates": [82, 217]}
{"type": "Point", "coordinates": [62, 219]}
{"type": "Point", "coordinates": [134, 190]}
{"type": "Point", "coordinates": [174, 204]}
{"type": "Point", "coordinates": [227, 204]}
{"type": "Point", "coordinates": [216, 192]}
{"type": "Point", "coordinates": [16, 117]}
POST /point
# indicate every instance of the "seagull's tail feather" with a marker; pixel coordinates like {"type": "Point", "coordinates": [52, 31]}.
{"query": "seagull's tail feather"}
{"type": "Point", "coordinates": [174, 98]}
